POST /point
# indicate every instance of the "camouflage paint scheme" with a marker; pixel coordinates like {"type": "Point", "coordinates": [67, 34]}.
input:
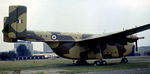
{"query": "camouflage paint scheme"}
{"type": "Point", "coordinates": [71, 45]}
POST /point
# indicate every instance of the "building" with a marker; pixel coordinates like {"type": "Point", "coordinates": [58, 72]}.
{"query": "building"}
{"type": "Point", "coordinates": [28, 45]}
{"type": "Point", "coordinates": [30, 57]}
{"type": "Point", "coordinates": [46, 48]}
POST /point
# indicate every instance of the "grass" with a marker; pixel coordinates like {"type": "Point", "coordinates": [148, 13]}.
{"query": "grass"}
{"type": "Point", "coordinates": [107, 67]}
{"type": "Point", "coordinates": [31, 64]}
{"type": "Point", "coordinates": [66, 64]}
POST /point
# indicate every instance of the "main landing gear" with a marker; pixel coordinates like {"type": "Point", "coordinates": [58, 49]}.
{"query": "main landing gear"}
{"type": "Point", "coordinates": [81, 62]}
{"type": "Point", "coordinates": [96, 63]}
{"type": "Point", "coordinates": [84, 62]}
{"type": "Point", "coordinates": [124, 60]}
{"type": "Point", "coordinates": [100, 60]}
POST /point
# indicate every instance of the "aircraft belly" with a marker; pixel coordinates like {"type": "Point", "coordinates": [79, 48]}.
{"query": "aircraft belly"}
{"type": "Point", "coordinates": [74, 50]}
{"type": "Point", "coordinates": [64, 49]}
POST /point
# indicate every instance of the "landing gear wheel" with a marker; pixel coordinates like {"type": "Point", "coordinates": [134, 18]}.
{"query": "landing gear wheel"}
{"type": "Point", "coordinates": [81, 62]}
{"type": "Point", "coordinates": [78, 62]}
{"type": "Point", "coordinates": [100, 63]}
{"type": "Point", "coordinates": [124, 60]}
{"type": "Point", "coordinates": [103, 63]}
{"type": "Point", "coordinates": [97, 63]}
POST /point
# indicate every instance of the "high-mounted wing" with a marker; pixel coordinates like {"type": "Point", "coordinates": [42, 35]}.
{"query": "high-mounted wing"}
{"type": "Point", "coordinates": [119, 36]}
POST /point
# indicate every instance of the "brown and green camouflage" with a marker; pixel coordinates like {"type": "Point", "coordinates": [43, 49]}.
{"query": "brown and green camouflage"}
{"type": "Point", "coordinates": [71, 45]}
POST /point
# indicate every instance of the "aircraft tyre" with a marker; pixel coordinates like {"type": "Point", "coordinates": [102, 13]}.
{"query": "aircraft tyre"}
{"type": "Point", "coordinates": [96, 63]}
{"type": "Point", "coordinates": [81, 62]}
{"type": "Point", "coordinates": [103, 63]}
{"type": "Point", "coordinates": [124, 60]}
{"type": "Point", "coordinates": [100, 63]}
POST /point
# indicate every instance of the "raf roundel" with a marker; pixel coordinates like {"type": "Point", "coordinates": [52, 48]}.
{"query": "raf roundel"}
{"type": "Point", "coordinates": [53, 37]}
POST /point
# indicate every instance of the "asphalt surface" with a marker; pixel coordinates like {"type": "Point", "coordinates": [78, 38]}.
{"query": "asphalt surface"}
{"type": "Point", "coordinates": [131, 71]}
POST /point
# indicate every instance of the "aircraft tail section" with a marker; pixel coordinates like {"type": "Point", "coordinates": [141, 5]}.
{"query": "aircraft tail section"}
{"type": "Point", "coordinates": [15, 24]}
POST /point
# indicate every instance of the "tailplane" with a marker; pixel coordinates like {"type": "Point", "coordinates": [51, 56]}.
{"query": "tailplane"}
{"type": "Point", "coordinates": [15, 24]}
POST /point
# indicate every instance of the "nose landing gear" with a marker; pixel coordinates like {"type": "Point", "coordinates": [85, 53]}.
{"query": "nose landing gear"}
{"type": "Point", "coordinates": [124, 60]}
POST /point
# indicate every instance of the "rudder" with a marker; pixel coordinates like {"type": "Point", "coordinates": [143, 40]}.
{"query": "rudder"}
{"type": "Point", "coordinates": [15, 24]}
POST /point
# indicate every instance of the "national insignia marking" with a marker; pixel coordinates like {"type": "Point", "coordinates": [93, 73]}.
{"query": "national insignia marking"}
{"type": "Point", "coordinates": [19, 21]}
{"type": "Point", "coordinates": [53, 37]}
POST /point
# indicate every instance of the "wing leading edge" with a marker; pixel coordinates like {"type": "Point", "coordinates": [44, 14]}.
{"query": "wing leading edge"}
{"type": "Point", "coordinates": [120, 35]}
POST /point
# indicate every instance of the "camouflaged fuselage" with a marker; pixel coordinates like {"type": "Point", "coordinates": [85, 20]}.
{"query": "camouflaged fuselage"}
{"type": "Point", "coordinates": [71, 45]}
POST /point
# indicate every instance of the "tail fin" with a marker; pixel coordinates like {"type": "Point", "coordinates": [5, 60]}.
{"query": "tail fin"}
{"type": "Point", "coordinates": [15, 24]}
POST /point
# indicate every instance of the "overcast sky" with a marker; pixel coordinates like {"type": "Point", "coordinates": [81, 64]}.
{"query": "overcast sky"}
{"type": "Point", "coordinates": [84, 16]}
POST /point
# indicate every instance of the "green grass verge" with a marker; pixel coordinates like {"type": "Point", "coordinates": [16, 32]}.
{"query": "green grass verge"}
{"type": "Point", "coordinates": [66, 64]}
{"type": "Point", "coordinates": [32, 64]}
{"type": "Point", "coordinates": [77, 69]}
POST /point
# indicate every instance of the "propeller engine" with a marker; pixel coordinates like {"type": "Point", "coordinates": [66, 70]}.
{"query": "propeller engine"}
{"type": "Point", "coordinates": [136, 43]}
{"type": "Point", "coordinates": [134, 38]}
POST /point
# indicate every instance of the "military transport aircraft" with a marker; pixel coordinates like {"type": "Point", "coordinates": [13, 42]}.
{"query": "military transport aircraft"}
{"type": "Point", "coordinates": [79, 47]}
